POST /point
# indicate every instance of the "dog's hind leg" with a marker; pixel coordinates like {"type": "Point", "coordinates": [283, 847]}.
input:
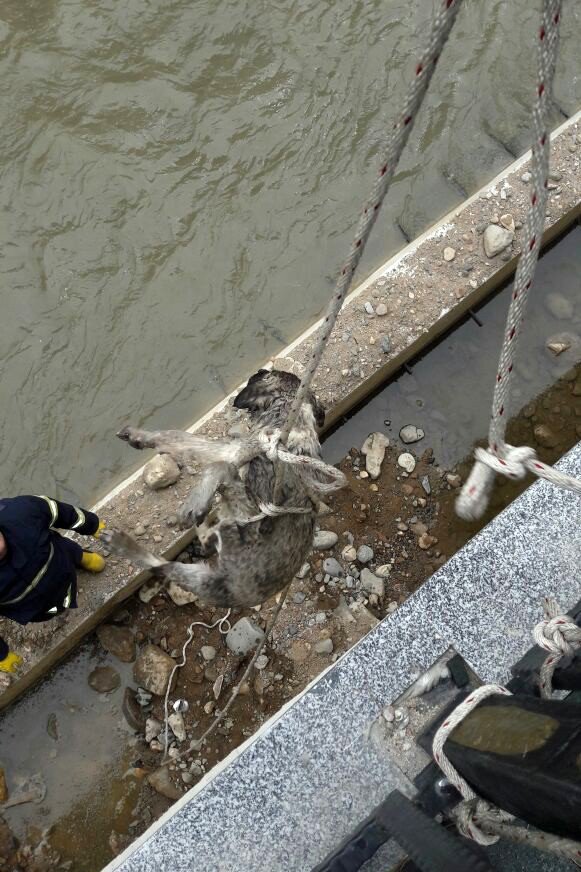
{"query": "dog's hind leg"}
{"type": "Point", "coordinates": [182, 445]}
{"type": "Point", "coordinates": [197, 577]}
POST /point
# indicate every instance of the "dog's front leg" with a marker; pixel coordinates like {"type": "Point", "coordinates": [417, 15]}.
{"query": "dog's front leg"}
{"type": "Point", "coordinates": [199, 502]}
{"type": "Point", "coordinates": [181, 445]}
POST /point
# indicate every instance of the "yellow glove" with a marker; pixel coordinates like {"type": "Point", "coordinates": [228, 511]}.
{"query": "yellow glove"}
{"type": "Point", "coordinates": [11, 662]}
{"type": "Point", "coordinates": [99, 530]}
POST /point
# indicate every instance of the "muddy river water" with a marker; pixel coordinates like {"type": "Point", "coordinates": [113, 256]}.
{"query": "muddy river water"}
{"type": "Point", "coordinates": [178, 181]}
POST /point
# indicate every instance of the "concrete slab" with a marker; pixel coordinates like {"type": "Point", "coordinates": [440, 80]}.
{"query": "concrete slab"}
{"type": "Point", "coordinates": [298, 787]}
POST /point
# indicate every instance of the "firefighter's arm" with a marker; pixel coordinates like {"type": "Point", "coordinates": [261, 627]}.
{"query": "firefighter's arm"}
{"type": "Point", "coordinates": [9, 661]}
{"type": "Point", "coordinates": [67, 517]}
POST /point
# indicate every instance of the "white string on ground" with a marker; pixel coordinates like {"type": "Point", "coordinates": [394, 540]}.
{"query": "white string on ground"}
{"type": "Point", "coordinates": [560, 636]}
{"type": "Point", "coordinates": [196, 744]}
{"type": "Point", "coordinates": [479, 819]}
{"type": "Point", "coordinates": [501, 457]}
{"type": "Point", "coordinates": [224, 626]}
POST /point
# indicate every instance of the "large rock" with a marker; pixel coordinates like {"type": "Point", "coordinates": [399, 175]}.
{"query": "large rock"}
{"type": "Point", "coordinates": [374, 451]}
{"type": "Point", "coordinates": [160, 472]}
{"type": "Point", "coordinates": [152, 669]}
{"type": "Point", "coordinates": [104, 679]}
{"type": "Point", "coordinates": [496, 239]}
{"type": "Point", "coordinates": [410, 434]}
{"type": "Point", "coordinates": [181, 596]}
{"type": "Point", "coordinates": [161, 781]}
{"type": "Point", "coordinates": [244, 637]}
{"type": "Point", "coordinates": [119, 641]}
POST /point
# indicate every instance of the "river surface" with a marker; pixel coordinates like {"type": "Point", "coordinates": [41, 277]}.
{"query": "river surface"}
{"type": "Point", "coordinates": [179, 180]}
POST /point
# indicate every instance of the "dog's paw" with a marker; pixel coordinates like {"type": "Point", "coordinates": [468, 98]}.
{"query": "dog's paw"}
{"type": "Point", "coordinates": [118, 542]}
{"type": "Point", "coordinates": [133, 436]}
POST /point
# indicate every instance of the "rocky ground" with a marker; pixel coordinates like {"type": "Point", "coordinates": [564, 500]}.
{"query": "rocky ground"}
{"type": "Point", "coordinates": [379, 539]}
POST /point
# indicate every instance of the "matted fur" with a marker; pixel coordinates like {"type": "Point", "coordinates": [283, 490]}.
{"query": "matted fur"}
{"type": "Point", "coordinates": [241, 564]}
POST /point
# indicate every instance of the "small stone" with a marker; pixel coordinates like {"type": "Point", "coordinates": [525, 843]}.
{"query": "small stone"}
{"type": "Point", "coordinates": [261, 662]}
{"type": "Point", "coordinates": [473, 284]}
{"type": "Point", "coordinates": [209, 707]}
{"type": "Point", "coordinates": [303, 571]}
{"type": "Point", "coordinates": [407, 462]}
{"type": "Point", "coordinates": [381, 310]}
{"type": "Point", "coordinates": [364, 554]}
{"type": "Point", "coordinates": [179, 595]}
{"type": "Point", "coordinates": [410, 434]}
{"type": "Point", "coordinates": [208, 652]}
{"type": "Point", "coordinates": [104, 679]}
{"type": "Point", "coordinates": [453, 480]}
{"type": "Point", "coordinates": [320, 618]}
{"type": "Point", "coordinates": [496, 239]}
{"type": "Point", "coordinates": [363, 474]}
{"type": "Point", "coordinates": [374, 450]}
{"type": "Point", "coordinates": [369, 308]}
{"type": "Point", "coordinates": [371, 583]}
{"type": "Point", "coordinates": [449, 254]}
{"type": "Point", "coordinates": [333, 568]}
{"type": "Point", "coordinates": [385, 344]}
{"type": "Point", "coordinates": [299, 597]}
{"type": "Point", "coordinates": [426, 485]}
{"type": "Point", "coordinates": [558, 348]}
{"type": "Point", "coordinates": [150, 590]}
{"type": "Point", "coordinates": [132, 710]}
{"type": "Point", "coordinates": [426, 541]}
{"type": "Point", "coordinates": [119, 641]}
{"type": "Point", "coordinates": [324, 539]}
{"type": "Point", "coordinates": [140, 530]}
{"type": "Point", "coordinates": [244, 637]}
{"type": "Point", "coordinates": [325, 646]}
{"type": "Point", "coordinates": [161, 782]}
{"type": "Point", "coordinates": [526, 177]}
{"type": "Point", "coordinates": [153, 728]}
{"type": "Point", "coordinates": [178, 728]}
{"type": "Point", "coordinates": [187, 777]}
{"type": "Point", "coordinates": [507, 222]}
{"type": "Point", "coordinates": [545, 436]}
{"type": "Point", "coordinates": [383, 571]}
{"type": "Point", "coordinates": [152, 669]}
{"type": "Point", "coordinates": [349, 553]}
{"type": "Point", "coordinates": [555, 175]}
{"type": "Point", "coordinates": [160, 472]}
{"type": "Point", "coordinates": [559, 306]}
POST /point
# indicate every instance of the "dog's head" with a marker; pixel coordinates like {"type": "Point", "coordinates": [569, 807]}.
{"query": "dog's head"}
{"type": "Point", "coordinates": [275, 390]}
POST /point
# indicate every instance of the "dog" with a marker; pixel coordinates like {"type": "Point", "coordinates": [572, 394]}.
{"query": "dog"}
{"type": "Point", "coordinates": [249, 547]}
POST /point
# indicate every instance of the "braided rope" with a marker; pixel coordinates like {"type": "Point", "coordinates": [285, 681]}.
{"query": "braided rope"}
{"type": "Point", "coordinates": [478, 819]}
{"type": "Point", "coordinates": [500, 457]}
{"type": "Point", "coordinates": [560, 636]}
{"type": "Point", "coordinates": [441, 26]}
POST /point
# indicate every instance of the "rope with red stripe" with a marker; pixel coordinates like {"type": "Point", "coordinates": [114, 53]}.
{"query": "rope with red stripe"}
{"type": "Point", "coordinates": [478, 819]}
{"type": "Point", "coordinates": [501, 457]}
{"type": "Point", "coordinates": [560, 636]}
{"type": "Point", "coordinates": [440, 30]}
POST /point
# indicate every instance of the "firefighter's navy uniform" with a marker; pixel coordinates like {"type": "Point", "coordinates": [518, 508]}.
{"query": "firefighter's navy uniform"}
{"type": "Point", "coordinates": [38, 573]}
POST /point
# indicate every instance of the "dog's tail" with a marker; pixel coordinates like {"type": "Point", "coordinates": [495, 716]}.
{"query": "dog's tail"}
{"type": "Point", "coordinates": [123, 545]}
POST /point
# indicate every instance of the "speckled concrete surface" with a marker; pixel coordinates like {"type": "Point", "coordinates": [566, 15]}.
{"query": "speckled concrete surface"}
{"type": "Point", "coordinates": [311, 774]}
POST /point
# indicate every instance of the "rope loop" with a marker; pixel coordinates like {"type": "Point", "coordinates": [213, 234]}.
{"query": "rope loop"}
{"type": "Point", "coordinates": [560, 636]}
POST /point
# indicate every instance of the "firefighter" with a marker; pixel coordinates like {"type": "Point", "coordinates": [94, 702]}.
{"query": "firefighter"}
{"type": "Point", "coordinates": [38, 566]}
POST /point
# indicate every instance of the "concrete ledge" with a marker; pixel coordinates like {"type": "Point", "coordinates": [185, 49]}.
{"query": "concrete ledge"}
{"type": "Point", "coordinates": [424, 296]}
{"type": "Point", "coordinates": [297, 788]}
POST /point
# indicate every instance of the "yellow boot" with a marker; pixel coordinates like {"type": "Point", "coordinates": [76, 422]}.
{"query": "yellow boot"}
{"type": "Point", "coordinates": [92, 562]}
{"type": "Point", "coordinates": [11, 662]}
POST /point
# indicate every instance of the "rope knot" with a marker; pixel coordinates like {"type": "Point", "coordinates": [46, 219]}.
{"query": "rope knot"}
{"type": "Point", "coordinates": [269, 443]}
{"type": "Point", "coordinates": [557, 633]}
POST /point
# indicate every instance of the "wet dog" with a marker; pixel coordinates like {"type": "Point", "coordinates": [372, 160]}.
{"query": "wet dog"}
{"type": "Point", "coordinates": [248, 549]}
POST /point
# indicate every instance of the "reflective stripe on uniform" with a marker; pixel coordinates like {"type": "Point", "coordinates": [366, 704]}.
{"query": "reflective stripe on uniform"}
{"type": "Point", "coordinates": [81, 518]}
{"type": "Point", "coordinates": [68, 598]}
{"type": "Point", "coordinates": [53, 508]}
{"type": "Point", "coordinates": [37, 578]}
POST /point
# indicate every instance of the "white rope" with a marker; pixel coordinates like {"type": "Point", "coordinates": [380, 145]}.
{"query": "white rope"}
{"type": "Point", "coordinates": [560, 636]}
{"type": "Point", "coordinates": [500, 457]}
{"type": "Point", "coordinates": [479, 819]}
{"type": "Point", "coordinates": [441, 26]}
{"type": "Point", "coordinates": [224, 626]}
